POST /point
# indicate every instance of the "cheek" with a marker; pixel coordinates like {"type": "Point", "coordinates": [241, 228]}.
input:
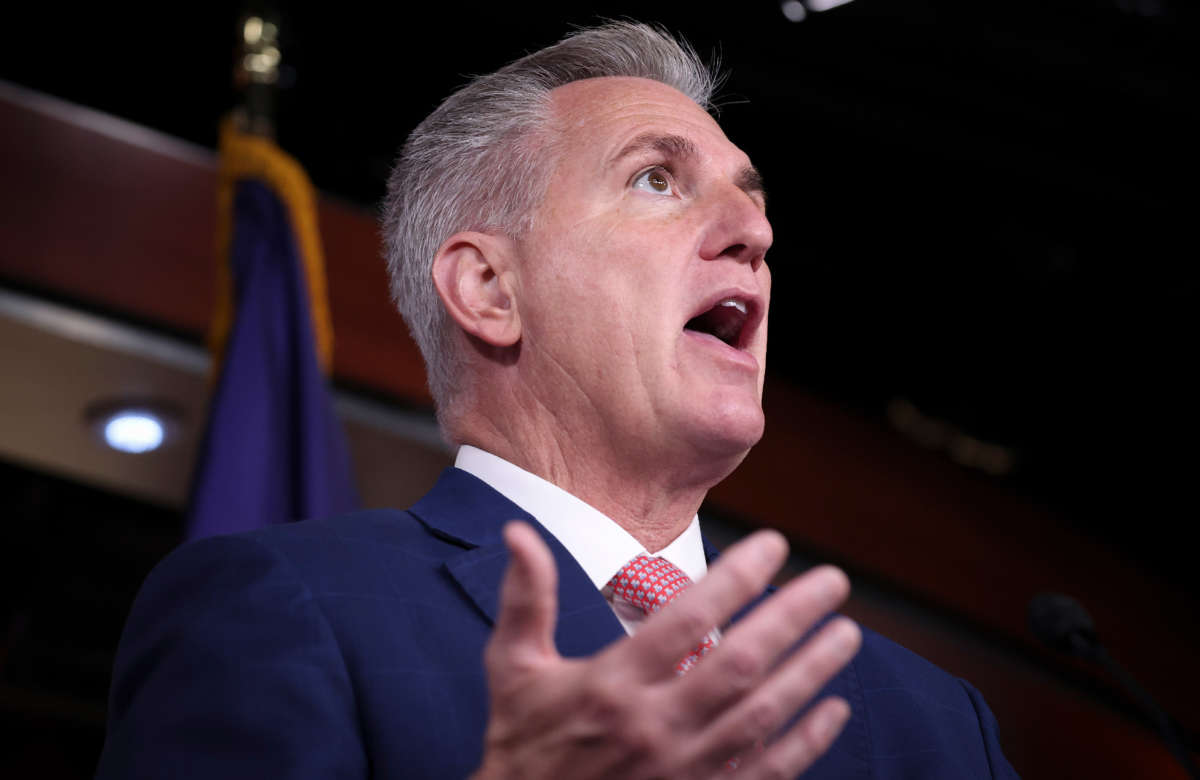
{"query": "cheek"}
{"type": "Point", "coordinates": [605, 282]}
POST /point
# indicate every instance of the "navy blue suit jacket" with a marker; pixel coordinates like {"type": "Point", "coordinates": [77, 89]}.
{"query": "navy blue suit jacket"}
{"type": "Point", "coordinates": [352, 647]}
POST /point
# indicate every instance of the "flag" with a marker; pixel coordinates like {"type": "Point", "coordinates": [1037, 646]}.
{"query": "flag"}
{"type": "Point", "coordinates": [273, 450]}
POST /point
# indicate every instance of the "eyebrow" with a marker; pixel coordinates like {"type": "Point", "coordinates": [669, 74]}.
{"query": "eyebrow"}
{"type": "Point", "coordinates": [749, 180]}
{"type": "Point", "coordinates": [675, 146]}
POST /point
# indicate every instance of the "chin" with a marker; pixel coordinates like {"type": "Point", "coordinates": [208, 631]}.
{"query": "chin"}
{"type": "Point", "coordinates": [726, 433]}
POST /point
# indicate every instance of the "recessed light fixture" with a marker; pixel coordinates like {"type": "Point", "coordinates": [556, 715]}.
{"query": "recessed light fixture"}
{"type": "Point", "coordinates": [134, 431]}
{"type": "Point", "coordinates": [133, 426]}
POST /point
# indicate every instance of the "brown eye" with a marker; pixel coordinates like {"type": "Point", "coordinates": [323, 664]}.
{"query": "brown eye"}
{"type": "Point", "coordinates": [654, 180]}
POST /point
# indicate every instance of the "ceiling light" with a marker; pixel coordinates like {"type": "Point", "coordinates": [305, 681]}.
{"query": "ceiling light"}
{"type": "Point", "coordinates": [134, 431]}
{"type": "Point", "coordinates": [134, 425]}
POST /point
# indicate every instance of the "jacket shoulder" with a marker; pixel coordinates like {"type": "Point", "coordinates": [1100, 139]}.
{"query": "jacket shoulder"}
{"type": "Point", "coordinates": [334, 625]}
{"type": "Point", "coordinates": [921, 721]}
{"type": "Point", "coordinates": [330, 553]}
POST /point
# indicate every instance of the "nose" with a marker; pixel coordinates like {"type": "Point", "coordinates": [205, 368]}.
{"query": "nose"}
{"type": "Point", "coordinates": [738, 228]}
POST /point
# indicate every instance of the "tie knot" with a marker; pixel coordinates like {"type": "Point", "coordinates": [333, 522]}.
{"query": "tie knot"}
{"type": "Point", "coordinates": [649, 583]}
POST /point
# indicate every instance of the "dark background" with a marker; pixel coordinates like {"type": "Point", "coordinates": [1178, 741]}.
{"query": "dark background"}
{"type": "Point", "coordinates": [984, 211]}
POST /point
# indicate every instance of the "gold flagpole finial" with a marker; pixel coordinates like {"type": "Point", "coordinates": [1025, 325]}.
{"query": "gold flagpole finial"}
{"type": "Point", "coordinates": [256, 74]}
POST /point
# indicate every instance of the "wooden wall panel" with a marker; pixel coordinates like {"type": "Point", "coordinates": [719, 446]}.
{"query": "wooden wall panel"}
{"type": "Point", "coordinates": [116, 216]}
{"type": "Point", "coordinates": [105, 220]}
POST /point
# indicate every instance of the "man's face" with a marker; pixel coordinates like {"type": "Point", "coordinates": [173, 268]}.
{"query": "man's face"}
{"type": "Point", "coordinates": [642, 289]}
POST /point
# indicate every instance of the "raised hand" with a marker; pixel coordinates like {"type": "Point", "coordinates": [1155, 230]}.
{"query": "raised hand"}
{"type": "Point", "coordinates": [625, 712]}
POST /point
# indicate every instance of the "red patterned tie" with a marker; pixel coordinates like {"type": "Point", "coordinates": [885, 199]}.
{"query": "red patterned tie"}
{"type": "Point", "coordinates": [651, 584]}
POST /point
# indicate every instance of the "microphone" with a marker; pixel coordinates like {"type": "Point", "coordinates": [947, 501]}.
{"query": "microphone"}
{"type": "Point", "coordinates": [1063, 624]}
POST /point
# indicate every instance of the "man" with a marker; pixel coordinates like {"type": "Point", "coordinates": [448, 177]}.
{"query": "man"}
{"type": "Point", "coordinates": [579, 252]}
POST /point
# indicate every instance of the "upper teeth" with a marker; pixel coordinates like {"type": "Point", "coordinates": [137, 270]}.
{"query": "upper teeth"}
{"type": "Point", "coordinates": [739, 305]}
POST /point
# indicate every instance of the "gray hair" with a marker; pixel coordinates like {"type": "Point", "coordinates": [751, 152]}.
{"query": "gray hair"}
{"type": "Point", "coordinates": [480, 162]}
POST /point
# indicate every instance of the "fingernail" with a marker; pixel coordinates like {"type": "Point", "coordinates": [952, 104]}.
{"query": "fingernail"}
{"type": "Point", "coordinates": [834, 583]}
{"type": "Point", "coordinates": [848, 637]}
{"type": "Point", "coordinates": [835, 718]}
{"type": "Point", "coordinates": [773, 547]}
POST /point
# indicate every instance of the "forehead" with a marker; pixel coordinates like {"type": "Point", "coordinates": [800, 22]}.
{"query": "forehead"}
{"type": "Point", "coordinates": [596, 116]}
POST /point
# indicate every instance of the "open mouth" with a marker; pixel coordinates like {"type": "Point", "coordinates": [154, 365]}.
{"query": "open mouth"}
{"type": "Point", "coordinates": [725, 321]}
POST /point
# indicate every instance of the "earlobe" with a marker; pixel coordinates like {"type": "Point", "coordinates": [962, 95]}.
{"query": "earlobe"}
{"type": "Point", "coordinates": [471, 274]}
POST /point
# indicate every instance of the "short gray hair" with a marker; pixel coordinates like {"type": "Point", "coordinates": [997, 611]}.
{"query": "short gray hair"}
{"type": "Point", "coordinates": [477, 163]}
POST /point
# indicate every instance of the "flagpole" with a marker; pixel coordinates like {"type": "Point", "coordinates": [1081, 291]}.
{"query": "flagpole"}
{"type": "Point", "coordinates": [256, 73]}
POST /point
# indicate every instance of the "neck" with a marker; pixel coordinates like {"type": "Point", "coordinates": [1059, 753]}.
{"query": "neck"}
{"type": "Point", "coordinates": [653, 499]}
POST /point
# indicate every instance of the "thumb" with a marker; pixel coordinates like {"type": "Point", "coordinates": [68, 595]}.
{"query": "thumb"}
{"type": "Point", "coordinates": [524, 633]}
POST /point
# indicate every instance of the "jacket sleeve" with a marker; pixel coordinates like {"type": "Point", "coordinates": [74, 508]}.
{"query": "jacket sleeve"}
{"type": "Point", "coordinates": [989, 730]}
{"type": "Point", "coordinates": [228, 669]}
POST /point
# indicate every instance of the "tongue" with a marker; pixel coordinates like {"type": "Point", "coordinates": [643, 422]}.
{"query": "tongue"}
{"type": "Point", "coordinates": [724, 322]}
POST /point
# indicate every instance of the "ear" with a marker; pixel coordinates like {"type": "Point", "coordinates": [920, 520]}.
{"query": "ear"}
{"type": "Point", "coordinates": [471, 272]}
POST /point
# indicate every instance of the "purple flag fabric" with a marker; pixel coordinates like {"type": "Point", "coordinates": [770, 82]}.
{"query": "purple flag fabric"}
{"type": "Point", "coordinates": [273, 450]}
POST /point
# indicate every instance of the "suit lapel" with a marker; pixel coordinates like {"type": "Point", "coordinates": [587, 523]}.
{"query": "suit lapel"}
{"type": "Point", "coordinates": [466, 511]}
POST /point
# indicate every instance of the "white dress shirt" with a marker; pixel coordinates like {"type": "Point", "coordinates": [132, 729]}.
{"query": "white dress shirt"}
{"type": "Point", "coordinates": [598, 544]}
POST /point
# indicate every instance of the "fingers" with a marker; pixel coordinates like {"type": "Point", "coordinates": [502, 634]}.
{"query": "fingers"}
{"type": "Point", "coordinates": [739, 576]}
{"type": "Point", "coordinates": [595, 712]}
{"type": "Point", "coordinates": [524, 633]}
{"type": "Point", "coordinates": [749, 650]}
{"type": "Point", "coordinates": [787, 689]}
{"type": "Point", "coordinates": [802, 745]}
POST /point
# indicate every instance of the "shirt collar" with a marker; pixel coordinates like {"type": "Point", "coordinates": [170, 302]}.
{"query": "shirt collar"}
{"type": "Point", "coordinates": [595, 541]}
